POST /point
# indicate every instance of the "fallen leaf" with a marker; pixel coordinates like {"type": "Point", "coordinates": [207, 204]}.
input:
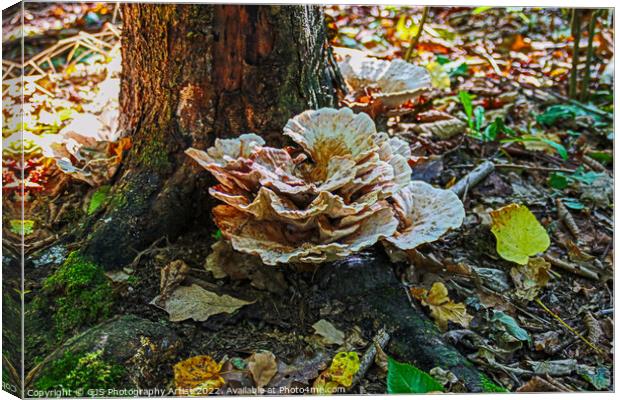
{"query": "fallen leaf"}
{"type": "Point", "coordinates": [442, 308]}
{"type": "Point", "coordinates": [328, 332]}
{"type": "Point", "coordinates": [200, 375]}
{"type": "Point", "coordinates": [171, 277]}
{"type": "Point", "coordinates": [405, 378]}
{"type": "Point", "coordinates": [599, 377]}
{"type": "Point", "coordinates": [440, 78]}
{"type": "Point", "coordinates": [443, 129]}
{"type": "Point", "coordinates": [381, 359]}
{"type": "Point", "coordinates": [198, 304]}
{"type": "Point", "coordinates": [554, 367]}
{"type": "Point", "coordinates": [538, 384]}
{"type": "Point", "coordinates": [339, 375]}
{"type": "Point", "coordinates": [263, 367]}
{"type": "Point", "coordinates": [546, 341]}
{"type": "Point", "coordinates": [300, 372]}
{"type": "Point", "coordinates": [518, 233]}
{"type": "Point", "coordinates": [531, 278]}
{"type": "Point", "coordinates": [511, 326]}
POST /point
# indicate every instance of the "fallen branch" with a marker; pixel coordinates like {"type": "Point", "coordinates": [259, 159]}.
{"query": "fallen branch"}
{"type": "Point", "coordinates": [575, 269]}
{"type": "Point", "coordinates": [381, 339]}
{"type": "Point", "coordinates": [592, 163]}
{"type": "Point", "coordinates": [367, 283]}
{"type": "Point", "coordinates": [473, 178]}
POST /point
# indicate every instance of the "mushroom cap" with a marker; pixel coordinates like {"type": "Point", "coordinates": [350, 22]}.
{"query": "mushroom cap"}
{"type": "Point", "coordinates": [331, 200]}
{"type": "Point", "coordinates": [425, 214]}
{"type": "Point", "coordinates": [396, 81]}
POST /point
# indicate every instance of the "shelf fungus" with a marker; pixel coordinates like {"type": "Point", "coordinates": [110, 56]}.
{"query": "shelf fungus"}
{"type": "Point", "coordinates": [393, 82]}
{"type": "Point", "coordinates": [344, 188]}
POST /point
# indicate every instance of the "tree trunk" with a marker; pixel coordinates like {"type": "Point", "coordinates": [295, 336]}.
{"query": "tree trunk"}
{"type": "Point", "coordinates": [193, 73]}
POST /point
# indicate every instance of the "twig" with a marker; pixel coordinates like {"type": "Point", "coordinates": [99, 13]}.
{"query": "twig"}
{"type": "Point", "coordinates": [473, 178]}
{"type": "Point", "coordinates": [381, 339]}
{"type": "Point", "coordinates": [489, 58]}
{"type": "Point", "coordinates": [416, 38]}
{"type": "Point", "coordinates": [535, 168]}
{"type": "Point", "coordinates": [564, 324]}
{"type": "Point", "coordinates": [575, 33]}
{"type": "Point", "coordinates": [575, 269]}
{"type": "Point", "coordinates": [592, 163]}
{"type": "Point", "coordinates": [585, 84]}
{"type": "Point", "coordinates": [565, 216]}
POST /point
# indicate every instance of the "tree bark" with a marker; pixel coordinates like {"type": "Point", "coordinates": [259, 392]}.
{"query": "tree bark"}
{"type": "Point", "coordinates": [193, 73]}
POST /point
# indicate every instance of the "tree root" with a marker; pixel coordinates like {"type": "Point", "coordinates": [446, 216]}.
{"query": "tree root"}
{"type": "Point", "coordinates": [368, 285]}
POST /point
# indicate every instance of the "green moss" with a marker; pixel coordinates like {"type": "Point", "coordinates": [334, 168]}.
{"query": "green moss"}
{"type": "Point", "coordinates": [488, 386]}
{"type": "Point", "coordinates": [80, 373]}
{"type": "Point", "coordinates": [98, 198]}
{"type": "Point", "coordinates": [154, 155]}
{"type": "Point", "coordinates": [82, 294]}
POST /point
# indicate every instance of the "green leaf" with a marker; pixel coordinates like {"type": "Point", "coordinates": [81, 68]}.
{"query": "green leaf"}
{"type": "Point", "coordinates": [562, 112]}
{"type": "Point", "coordinates": [480, 10]}
{"type": "Point", "coordinates": [573, 204]}
{"type": "Point", "coordinates": [466, 99]}
{"type": "Point", "coordinates": [442, 60]}
{"type": "Point", "coordinates": [558, 180]}
{"type": "Point", "coordinates": [587, 178]}
{"type": "Point", "coordinates": [599, 377]}
{"type": "Point", "coordinates": [511, 326]}
{"type": "Point", "coordinates": [405, 378]}
{"type": "Point", "coordinates": [217, 235]}
{"type": "Point", "coordinates": [601, 156]}
{"type": "Point", "coordinates": [461, 70]}
{"type": "Point", "coordinates": [558, 147]}
{"type": "Point", "coordinates": [478, 118]}
{"type": "Point", "coordinates": [98, 198]}
{"type": "Point", "coordinates": [490, 132]}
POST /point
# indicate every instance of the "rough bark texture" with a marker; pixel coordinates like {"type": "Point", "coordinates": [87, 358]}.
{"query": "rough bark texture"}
{"type": "Point", "coordinates": [192, 73]}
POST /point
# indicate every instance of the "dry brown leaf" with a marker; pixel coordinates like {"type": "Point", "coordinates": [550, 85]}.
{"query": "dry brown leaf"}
{"type": "Point", "coordinates": [538, 384]}
{"type": "Point", "coordinates": [328, 332]}
{"type": "Point", "coordinates": [194, 302]}
{"type": "Point", "coordinates": [171, 276]}
{"type": "Point", "coordinates": [263, 367]}
{"type": "Point", "coordinates": [531, 278]}
{"type": "Point", "coordinates": [442, 308]}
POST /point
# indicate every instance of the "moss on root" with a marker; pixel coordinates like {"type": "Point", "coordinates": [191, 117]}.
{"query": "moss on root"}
{"type": "Point", "coordinates": [154, 156]}
{"type": "Point", "coordinates": [79, 373]}
{"type": "Point", "coordinates": [81, 294]}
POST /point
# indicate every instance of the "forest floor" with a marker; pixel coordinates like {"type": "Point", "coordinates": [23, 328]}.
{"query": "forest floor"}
{"type": "Point", "coordinates": [528, 329]}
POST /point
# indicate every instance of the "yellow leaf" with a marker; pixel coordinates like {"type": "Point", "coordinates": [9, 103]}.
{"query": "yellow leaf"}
{"type": "Point", "coordinates": [519, 234]}
{"type": "Point", "coordinates": [340, 374]}
{"type": "Point", "coordinates": [200, 375]}
{"type": "Point", "coordinates": [442, 308]}
{"type": "Point", "coordinates": [439, 76]}
{"type": "Point", "coordinates": [530, 278]}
